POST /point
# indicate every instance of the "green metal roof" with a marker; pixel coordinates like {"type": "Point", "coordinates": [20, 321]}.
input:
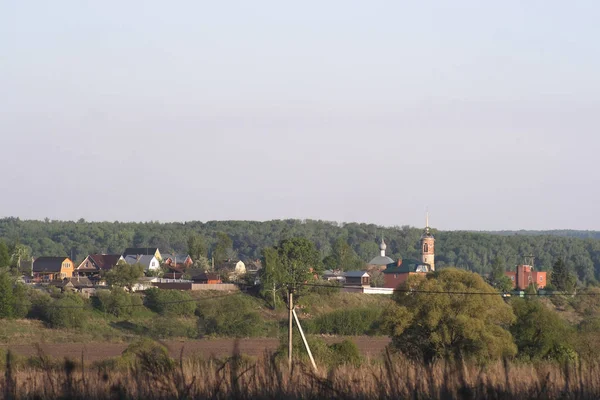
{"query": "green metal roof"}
{"type": "Point", "coordinates": [408, 265]}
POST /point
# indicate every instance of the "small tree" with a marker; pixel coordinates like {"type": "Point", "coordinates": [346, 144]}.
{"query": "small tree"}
{"type": "Point", "coordinates": [196, 247]}
{"type": "Point", "coordinates": [222, 247]}
{"type": "Point", "coordinates": [4, 255]}
{"type": "Point", "coordinates": [290, 264]}
{"type": "Point", "coordinates": [6, 296]}
{"type": "Point", "coordinates": [170, 302]}
{"type": "Point", "coordinates": [539, 332]}
{"type": "Point", "coordinates": [124, 275]}
{"type": "Point", "coordinates": [561, 278]}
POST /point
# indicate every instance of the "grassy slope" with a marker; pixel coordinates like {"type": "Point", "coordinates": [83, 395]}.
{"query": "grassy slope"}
{"type": "Point", "coordinates": [102, 328]}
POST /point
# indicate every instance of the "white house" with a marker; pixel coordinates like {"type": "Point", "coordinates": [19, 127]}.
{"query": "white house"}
{"type": "Point", "coordinates": [149, 262]}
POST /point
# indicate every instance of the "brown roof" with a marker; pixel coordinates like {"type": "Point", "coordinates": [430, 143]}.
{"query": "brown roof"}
{"type": "Point", "coordinates": [206, 276]}
{"type": "Point", "coordinates": [105, 261]}
{"type": "Point", "coordinates": [49, 264]}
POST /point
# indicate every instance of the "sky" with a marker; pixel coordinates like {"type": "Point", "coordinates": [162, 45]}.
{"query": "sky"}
{"type": "Point", "coordinates": [486, 114]}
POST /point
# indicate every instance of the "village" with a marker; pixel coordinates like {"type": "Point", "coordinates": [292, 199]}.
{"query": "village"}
{"type": "Point", "coordinates": [177, 272]}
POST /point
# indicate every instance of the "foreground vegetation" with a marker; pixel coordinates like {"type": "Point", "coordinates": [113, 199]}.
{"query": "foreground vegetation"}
{"type": "Point", "coordinates": [145, 371]}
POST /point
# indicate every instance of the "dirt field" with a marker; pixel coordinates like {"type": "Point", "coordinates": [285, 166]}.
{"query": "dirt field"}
{"type": "Point", "coordinates": [369, 346]}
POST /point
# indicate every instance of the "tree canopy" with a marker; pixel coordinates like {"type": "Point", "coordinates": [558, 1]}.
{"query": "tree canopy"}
{"type": "Point", "coordinates": [124, 275]}
{"type": "Point", "coordinates": [473, 251]}
{"type": "Point", "coordinates": [429, 324]}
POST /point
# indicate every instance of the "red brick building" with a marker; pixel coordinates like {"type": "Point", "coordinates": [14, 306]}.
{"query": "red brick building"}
{"type": "Point", "coordinates": [525, 276]}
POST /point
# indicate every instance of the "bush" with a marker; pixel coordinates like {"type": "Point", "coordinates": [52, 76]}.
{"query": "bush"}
{"type": "Point", "coordinates": [345, 352]}
{"type": "Point", "coordinates": [40, 301]}
{"type": "Point", "coordinates": [361, 321]}
{"type": "Point", "coordinates": [169, 327]}
{"type": "Point", "coordinates": [66, 312]}
{"type": "Point", "coordinates": [22, 304]}
{"type": "Point", "coordinates": [170, 302]}
{"type": "Point", "coordinates": [117, 302]}
{"type": "Point", "coordinates": [150, 356]}
{"type": "Point", "coordinates": [231, 316]}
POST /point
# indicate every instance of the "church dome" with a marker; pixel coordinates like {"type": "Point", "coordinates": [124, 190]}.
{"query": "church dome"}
{"type": "Point", "coordinates": [382, 245]}
{"type": "Point", "coordinates": [381, 260]}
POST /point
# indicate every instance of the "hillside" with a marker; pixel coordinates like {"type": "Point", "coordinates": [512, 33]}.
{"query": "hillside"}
{"type": "Point", "coordinates": [469, 250]}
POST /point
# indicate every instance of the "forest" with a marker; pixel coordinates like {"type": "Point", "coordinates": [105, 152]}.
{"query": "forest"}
{"type": "Point", "coordinates": [472, 251]}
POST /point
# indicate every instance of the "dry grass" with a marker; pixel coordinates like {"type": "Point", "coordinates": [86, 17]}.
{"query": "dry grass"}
{"type": "Point", "coordinates": [239, 377]}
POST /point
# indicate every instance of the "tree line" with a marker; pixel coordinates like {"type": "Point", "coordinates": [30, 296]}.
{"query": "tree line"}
{"type": "Point", "coordinates": [347, 246]}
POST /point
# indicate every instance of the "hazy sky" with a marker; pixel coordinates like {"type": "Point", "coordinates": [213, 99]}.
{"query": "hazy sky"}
{"type": "Point", "coordinates": [486, 113]}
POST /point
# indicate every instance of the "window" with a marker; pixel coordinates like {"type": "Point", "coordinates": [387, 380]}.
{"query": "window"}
{"type": "Point", "coordinates": [541, 279]}
{"type": "Point", "coordinates": [512, 278]}
{"type": "Point", "coordinates": [395, 276]}
{"type": "Point", "coordinates": [425, 248]}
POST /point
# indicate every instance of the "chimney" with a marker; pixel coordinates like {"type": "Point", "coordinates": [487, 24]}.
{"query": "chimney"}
{"type": "Point", "coordinates": [399, 262]}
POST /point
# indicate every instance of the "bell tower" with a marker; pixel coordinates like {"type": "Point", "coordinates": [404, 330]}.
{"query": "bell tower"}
{"type": "Point", "coordinates": [428, 246]}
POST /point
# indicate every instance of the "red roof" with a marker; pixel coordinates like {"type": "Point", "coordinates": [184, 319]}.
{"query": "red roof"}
{"type": "Point", "coordinates": [105, 261]}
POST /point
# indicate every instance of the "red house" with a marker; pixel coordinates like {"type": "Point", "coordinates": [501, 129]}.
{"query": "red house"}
{"type": "Point", "coordinates": [525, 276]}
{"type": "Point", "coordinates": [397, 273]}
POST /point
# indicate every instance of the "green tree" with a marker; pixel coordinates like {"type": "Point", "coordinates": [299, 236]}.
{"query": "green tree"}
{"type": "Point", "coordinates": [6, 296]}
{"type": "Point", "coordinates": [271, 275]}
{"type": "Point", "coordinates": [292, 262]}
{"type": "Point", "coordinates": [222, 248]}
{"type": "Point", "coordinates": [124, 275]}
{"type": "Point", "coordinates": [561, 278]}
{"type": "Point", "coordinates": [118, 302]}
{"type": "Point", "coordinates": [170, 302]}
{"type": "Point", "coordinates": [66, 312]}
{"type": "Point", "coordinates": [539, 332]}
{"type": "Point", "coordinates": [4, 255]}
{"type": "Point", "coordinates": [345, 257]}
{"type": "Point", "coordinates": [18, 253]}
{"type": "Point", "coordinates": [196, 246]}
{"type": "Point", "coordinates": [432, 323]}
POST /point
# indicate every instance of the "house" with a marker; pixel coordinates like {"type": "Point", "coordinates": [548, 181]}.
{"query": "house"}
{"type": "Point", "coordinates": [149, 262]}
{"type": "Point", "coordinates": [525, 276]}
{"type": "Point", "coordinates": [334, 276]}
{"type": "Point", "coordinates": [77, 283]}
{"type": "Point", "coordinates": [399, 272]}
{"type": "Point", "coordinates": [206, 277]}
{"type": "Point", "coordinates": [357, 278]}
{"type": "Point", "coordinates": [47, 269]}
{"type": "Point", "coordinates": [142, 251]}
{"type": "Point", "coordinates": [144, 283]}
{"type": "Point", "coordinates": [177, 260]}
{"type": "Point", "coordinates": [95, 263]}
{"type": "Point", "coordinates": [174, 273]}
{"type": "Point", "coordinates": [236, 267]}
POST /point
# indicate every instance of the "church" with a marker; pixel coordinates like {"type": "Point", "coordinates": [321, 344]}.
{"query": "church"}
{"type": "Point", "coordinates": [396, 273]}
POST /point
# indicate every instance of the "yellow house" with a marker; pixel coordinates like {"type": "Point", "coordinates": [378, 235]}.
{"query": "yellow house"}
{"type": "Point", "coordinates": [52, 268]}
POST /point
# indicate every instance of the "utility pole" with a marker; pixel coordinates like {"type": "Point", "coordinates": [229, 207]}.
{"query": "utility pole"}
{"type": "Point", "coordinates": [290, 326]}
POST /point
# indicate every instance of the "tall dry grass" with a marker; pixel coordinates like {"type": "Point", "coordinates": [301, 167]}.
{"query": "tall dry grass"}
{"type": "Point", "coordinates": [267, 378]}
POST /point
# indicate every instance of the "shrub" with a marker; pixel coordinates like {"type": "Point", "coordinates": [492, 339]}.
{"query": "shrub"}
{"type": "Point", "coordinates": [230, 316]}
{"type": "Point", "coordinates": [117, 302]}
{"type": "Point", "coordinates": [170, 302]}
{"type": "Point", "coordinates": [40, 301]}
{"type": "Point", "coordinates": [345, 352]}
{"type": "Point", "coordinates": [361, 321]}
{"type": "Point", "coordinates": [22, 304]}
{"type": "Point", "coordinates": [66, 312]}
{"type": "Point", "coordinates": [150, 356]}
{"type": "Point", "coordinates": [169, 327]}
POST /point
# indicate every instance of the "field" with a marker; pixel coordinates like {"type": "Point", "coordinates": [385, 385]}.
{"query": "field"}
{"type": "Point", "coordinates": [371, 347]}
